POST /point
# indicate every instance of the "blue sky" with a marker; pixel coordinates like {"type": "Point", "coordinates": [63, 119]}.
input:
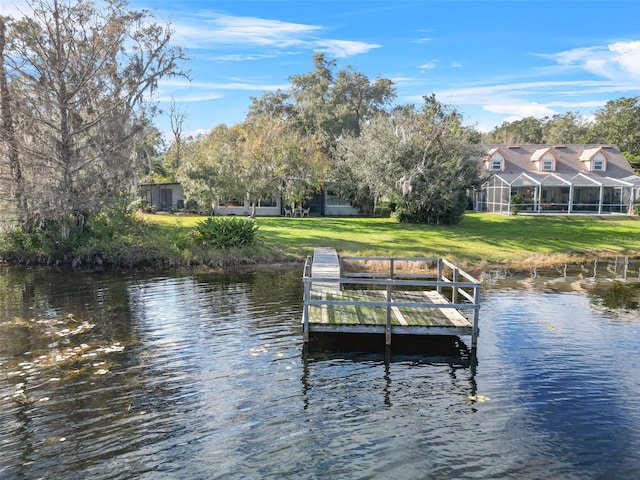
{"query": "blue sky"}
{"type": "Point", "coordinates": [494, 61]}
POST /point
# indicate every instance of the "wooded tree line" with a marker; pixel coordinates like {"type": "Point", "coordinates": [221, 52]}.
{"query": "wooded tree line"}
{"type": "Point", "coordinates": [337, 129]}
{"type": "Point", "coordinates": [618, 123]}
{"type": "Point", "coordinates": [77, 128]}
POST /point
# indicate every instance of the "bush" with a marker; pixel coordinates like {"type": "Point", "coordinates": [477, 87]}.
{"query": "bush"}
{"type": "Point", "coordinates": [90, 238]}
{"type": "Point", "coordinates": [516, 203]}
{"type": "Point", "coordinates": [434, 207]}
{"type": "Point", "coordinates": [226, 232]}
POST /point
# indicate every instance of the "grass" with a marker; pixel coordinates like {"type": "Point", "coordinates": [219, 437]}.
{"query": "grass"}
{"type": "Point", "coordinates": [480, 239]}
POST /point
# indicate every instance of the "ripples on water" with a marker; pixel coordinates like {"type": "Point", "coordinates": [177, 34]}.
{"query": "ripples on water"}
{"type": "Point", "coordinates": [111, 377]}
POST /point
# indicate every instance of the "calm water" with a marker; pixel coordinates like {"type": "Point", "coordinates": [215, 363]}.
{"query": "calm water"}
{"type": "Point", "coordinates": [107, 377]}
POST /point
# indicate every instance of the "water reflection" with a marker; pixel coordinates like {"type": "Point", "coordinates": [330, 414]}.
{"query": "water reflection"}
{"type": "Point", "coordinates": [205, 376]}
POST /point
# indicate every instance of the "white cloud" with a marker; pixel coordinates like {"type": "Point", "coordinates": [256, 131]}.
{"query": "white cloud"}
{"type": "Point", "coordinates": [189, 92]}
{"type": "Point", "coordinates": [422, 40]}
{"type": "Point", "coordinates": [538, 99]}
{"type": "Point", "coordinates": [186, 84]}
{"type": "Point", "coordinates": [238, 57]}
{"type": "Point", "coordinates": [208, 29]}
{"type": "Point", "coordinates": [617, 61]}
{"type": "Point", "coordinates": [344, 48]}
{"type": "Point", "coordinates": [197, 132]}
{"type": "Point", "coordinates": [211, 29]}
{"type": "Point", "coordinates": [428, 65]}
{"type": "Point", "coordinates": [521, 110]}
{"type": "Point", "coordinates": [191, 98]}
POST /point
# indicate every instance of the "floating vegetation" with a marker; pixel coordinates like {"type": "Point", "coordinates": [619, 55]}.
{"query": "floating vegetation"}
{"type": "Point", "coordinates": [618, 295]}
{"type": "Point", "coordinates": [65, 356]}
{"type": "Point", "coordinates": [60, 327]}
{"type": "Point", "coordinates": [478, 398]}
{"type": "Point", "coordinates": [57, 343]}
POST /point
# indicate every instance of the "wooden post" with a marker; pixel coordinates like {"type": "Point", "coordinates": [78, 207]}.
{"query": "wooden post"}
{"type": "Point", "coordinates": [476, 316]}
{"type": "Point", "coordinates": [454, 294]}
{"type": "Point", "coordinates": [305, 312]}
{"type": "Point", "coordinates": [387, 330]}
{"type": "Point", "coordinates": [439, 287]}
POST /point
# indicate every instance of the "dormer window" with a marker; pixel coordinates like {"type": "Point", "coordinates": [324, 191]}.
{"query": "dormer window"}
{"type": "Point", "coordinates": [497, 161]}
{"type": "Point", "coordinates": [594, 159]}
{"type": "Point", "coordinates": [599, 162]}
{"type": "Point", "coordinates": [548, 163]}
{"type": "Point", "coordinates": [494, 160]}
{"type": "Point", "coordinates": [545, 159]}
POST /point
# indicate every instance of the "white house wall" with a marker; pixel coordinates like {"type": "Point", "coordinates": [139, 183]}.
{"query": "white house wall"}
{"type": "Point", "coordinates": [245, 210]}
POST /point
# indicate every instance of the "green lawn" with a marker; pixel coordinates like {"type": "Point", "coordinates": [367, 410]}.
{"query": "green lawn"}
{"type": "Point", "coordinates": [481, 238]}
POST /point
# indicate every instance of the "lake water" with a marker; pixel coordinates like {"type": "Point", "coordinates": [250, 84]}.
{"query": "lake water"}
{"type": "Point", "coordinates": [108, 376]}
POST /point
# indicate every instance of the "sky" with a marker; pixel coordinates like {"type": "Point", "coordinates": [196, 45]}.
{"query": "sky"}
{"type": "Point", "coordinates": [494, 61]}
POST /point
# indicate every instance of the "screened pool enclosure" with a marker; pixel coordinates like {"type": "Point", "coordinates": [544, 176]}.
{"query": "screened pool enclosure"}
{"type": "Point", "coordinates": [566, 179]}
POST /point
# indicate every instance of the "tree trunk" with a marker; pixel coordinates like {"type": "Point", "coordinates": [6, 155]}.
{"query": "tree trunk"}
{"type": "Point", "coordinates": [8, 135]}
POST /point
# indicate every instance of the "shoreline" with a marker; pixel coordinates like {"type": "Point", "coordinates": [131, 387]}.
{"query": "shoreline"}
{"type": "Point", "coordinates": [246, 265]}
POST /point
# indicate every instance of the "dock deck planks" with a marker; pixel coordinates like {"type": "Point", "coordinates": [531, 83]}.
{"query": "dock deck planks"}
{"type": "Point", "coordinates": [388, 305]}
{"type": "Point", "coordinates": [370, 315]}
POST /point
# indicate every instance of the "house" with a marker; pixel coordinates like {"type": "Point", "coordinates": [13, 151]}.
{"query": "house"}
{"type": "Point", "coordinates": [161, 197]}
{"type": "Point", "coordinates": [569, 179]}
{"type": "Point", "coordinates": [170, 197]}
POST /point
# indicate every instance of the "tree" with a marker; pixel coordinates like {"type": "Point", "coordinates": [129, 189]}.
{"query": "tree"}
{"type": "Point", "coordinates": [327, 102]}
{"type": "Point", "coordinates": [368, 165]}
{"type": "Point", "coordinates": [261, 158]}
{"type": "Point", "coordinates": [425, 159]}
{"type": "Point", "coordinates": [435, 189]}
{"type": "Point", "coordinates": [80, 81]}
{"type": "Point", "coordinates": [276, 158]}
{"type": "Point", "coordinates": [618, 122]}
{"type": "Point", "coordinates": [209, 170]}
{"type": "Point", "coordinates": [177, 116]}
{"type": "Point", "coordinates": [7, 131]}
{"type": "Point", "coordinates": [568, 128]}
{"type": "Point", "coordinates": [527, 130]}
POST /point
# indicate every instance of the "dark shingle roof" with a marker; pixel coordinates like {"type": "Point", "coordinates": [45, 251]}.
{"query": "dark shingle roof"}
{"type": "Point", "coordinates": [518, 159]}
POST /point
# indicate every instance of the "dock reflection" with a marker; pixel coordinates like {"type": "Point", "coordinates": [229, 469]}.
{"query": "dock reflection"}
{"type": "Point", "coordinates": [421, 366]}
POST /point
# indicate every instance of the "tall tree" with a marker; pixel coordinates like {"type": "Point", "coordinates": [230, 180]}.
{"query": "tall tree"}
{"type": "Point", "coordinates": [80, 79]}
{"type": "Point", "coordinates": [424, 159]}
{"type": "Point", "coordinates": [618, 122]}
{"type": "Point", "coordinates": [570, 127]}
{"type": "Point", "coordinates": [7, 131]}
{"type": "Point", "coordinates": [208, 173]}
{"type": "Point", "coordinates": [526, 130]}
{"type": "Point", "coordinates": [327, 101]}
{"type": "Point", "coordinates": [261, 158]}
{"type": "Point", "coordinates": [276, 159]}
{"type": "Point", "coordinates": [177, 116]}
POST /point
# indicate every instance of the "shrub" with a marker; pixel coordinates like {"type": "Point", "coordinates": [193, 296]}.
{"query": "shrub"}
{"type": "Point", "coordinates": [91, 237]}
{"type": "Point", "coordinates": [225, 232]}
{"type": "Point", "coordinates": [516, 203]}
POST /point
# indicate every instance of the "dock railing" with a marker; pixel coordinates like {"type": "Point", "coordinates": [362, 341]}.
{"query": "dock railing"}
{"type": "Point", "coordinates": [383, 273]}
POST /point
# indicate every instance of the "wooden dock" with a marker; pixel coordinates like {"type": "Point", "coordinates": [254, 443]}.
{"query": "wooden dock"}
{"type": "Point", "coordinates": [353, 295]}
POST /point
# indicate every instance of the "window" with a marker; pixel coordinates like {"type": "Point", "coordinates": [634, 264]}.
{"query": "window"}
{"type": "Point", "coordinates": [548, 162]}
{"type": "Point", "coordinates": [496, 162]}
{"type": "Point", "coordinates": [336, 201]}
{"type": "Point", "coordinates": [268, 202]}
{"type": "Point", "coordinates": [232, 202]}
{"type": "Point", "coordinates": [599, 162]}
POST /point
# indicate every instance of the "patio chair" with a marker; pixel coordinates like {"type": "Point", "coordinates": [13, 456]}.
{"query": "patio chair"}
{"type": "Point", "coordinates": [305, 211]}
{"type": "Point", "coordinates": [288, 212]}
